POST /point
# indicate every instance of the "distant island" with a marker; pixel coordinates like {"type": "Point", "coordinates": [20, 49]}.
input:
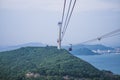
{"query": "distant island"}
{"type": "Point", "coordinates": [96, 49]}
{"type": "Point", "coordinates": [48, 63]}
{"type": "Point", "coordinates": [13, 47]}
{"type": "Point", "coordinates": [83, 51]}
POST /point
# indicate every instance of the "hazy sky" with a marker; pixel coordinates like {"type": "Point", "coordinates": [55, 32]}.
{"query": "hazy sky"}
{"type": "Point", "coordinates": [23, 21]}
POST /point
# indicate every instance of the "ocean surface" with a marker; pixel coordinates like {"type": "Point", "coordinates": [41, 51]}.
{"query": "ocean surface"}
{"type": "Point", "coordinates": [110, 62]}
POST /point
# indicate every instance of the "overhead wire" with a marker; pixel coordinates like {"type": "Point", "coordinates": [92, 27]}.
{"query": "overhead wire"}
{"type": "Point", "coordinates": [67, 16]}
{"type": "Point", "coordinates": [63, 12]}
{"type": "Point", "coordinates": [62, 20]}
{"type": "Point", "coordinates": [110, 34]}
{"type": "Point", "coordinates": [113, 32]}
{"type": "Point", "coordinates": [67, 21]}
{"type": "Point", "coordinates": [66, 25]}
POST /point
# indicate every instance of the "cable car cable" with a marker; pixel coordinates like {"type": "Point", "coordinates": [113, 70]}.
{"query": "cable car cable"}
{"type": "Point", "coordinates": [63, 11]}
{"type": "Point", "coordinates": [67, 15]}
{"type": "Point", "coordinates": [110, 34]}
{"type": "Point", "coordinates": [69, 19]}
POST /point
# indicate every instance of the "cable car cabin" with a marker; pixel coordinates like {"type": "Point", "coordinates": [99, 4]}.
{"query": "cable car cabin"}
{"type": "Point", "coordinates": [70, 49]}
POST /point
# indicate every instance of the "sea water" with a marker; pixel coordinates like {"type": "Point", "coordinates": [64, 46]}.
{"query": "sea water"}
{"type": "Point", "coordinates": [110, 62]}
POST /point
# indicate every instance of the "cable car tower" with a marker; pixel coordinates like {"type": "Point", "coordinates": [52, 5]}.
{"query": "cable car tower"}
{"type": "Point", "coordinates": [63, 24]}
{"type": "Point", "coordinates": [59, 39]}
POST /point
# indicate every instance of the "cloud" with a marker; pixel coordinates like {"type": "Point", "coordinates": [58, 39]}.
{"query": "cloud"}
{"type": "Point", "coordinates": [96, 5]}
{"type": "Point", "coordinates": [51, 5]}
{"type": "Point", "coordinates": [56, 5]}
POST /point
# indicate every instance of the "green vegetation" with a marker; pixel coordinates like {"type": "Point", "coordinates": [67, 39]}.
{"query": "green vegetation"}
{"type": "Point", "coordinates": [47, 63]}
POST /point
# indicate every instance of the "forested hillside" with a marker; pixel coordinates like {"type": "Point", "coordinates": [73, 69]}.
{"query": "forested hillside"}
{"type": "Point", "coordinates": [47, 63]}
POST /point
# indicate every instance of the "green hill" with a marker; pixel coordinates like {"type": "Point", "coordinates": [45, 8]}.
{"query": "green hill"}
{"type": "Point", "coordinates": [47, 63]}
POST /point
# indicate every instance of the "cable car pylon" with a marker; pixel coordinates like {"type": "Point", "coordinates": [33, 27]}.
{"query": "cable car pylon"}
{"type": "Point", "coordinates": [63, 25]}
{"type": "Point", "coordinates": [59, 39]}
